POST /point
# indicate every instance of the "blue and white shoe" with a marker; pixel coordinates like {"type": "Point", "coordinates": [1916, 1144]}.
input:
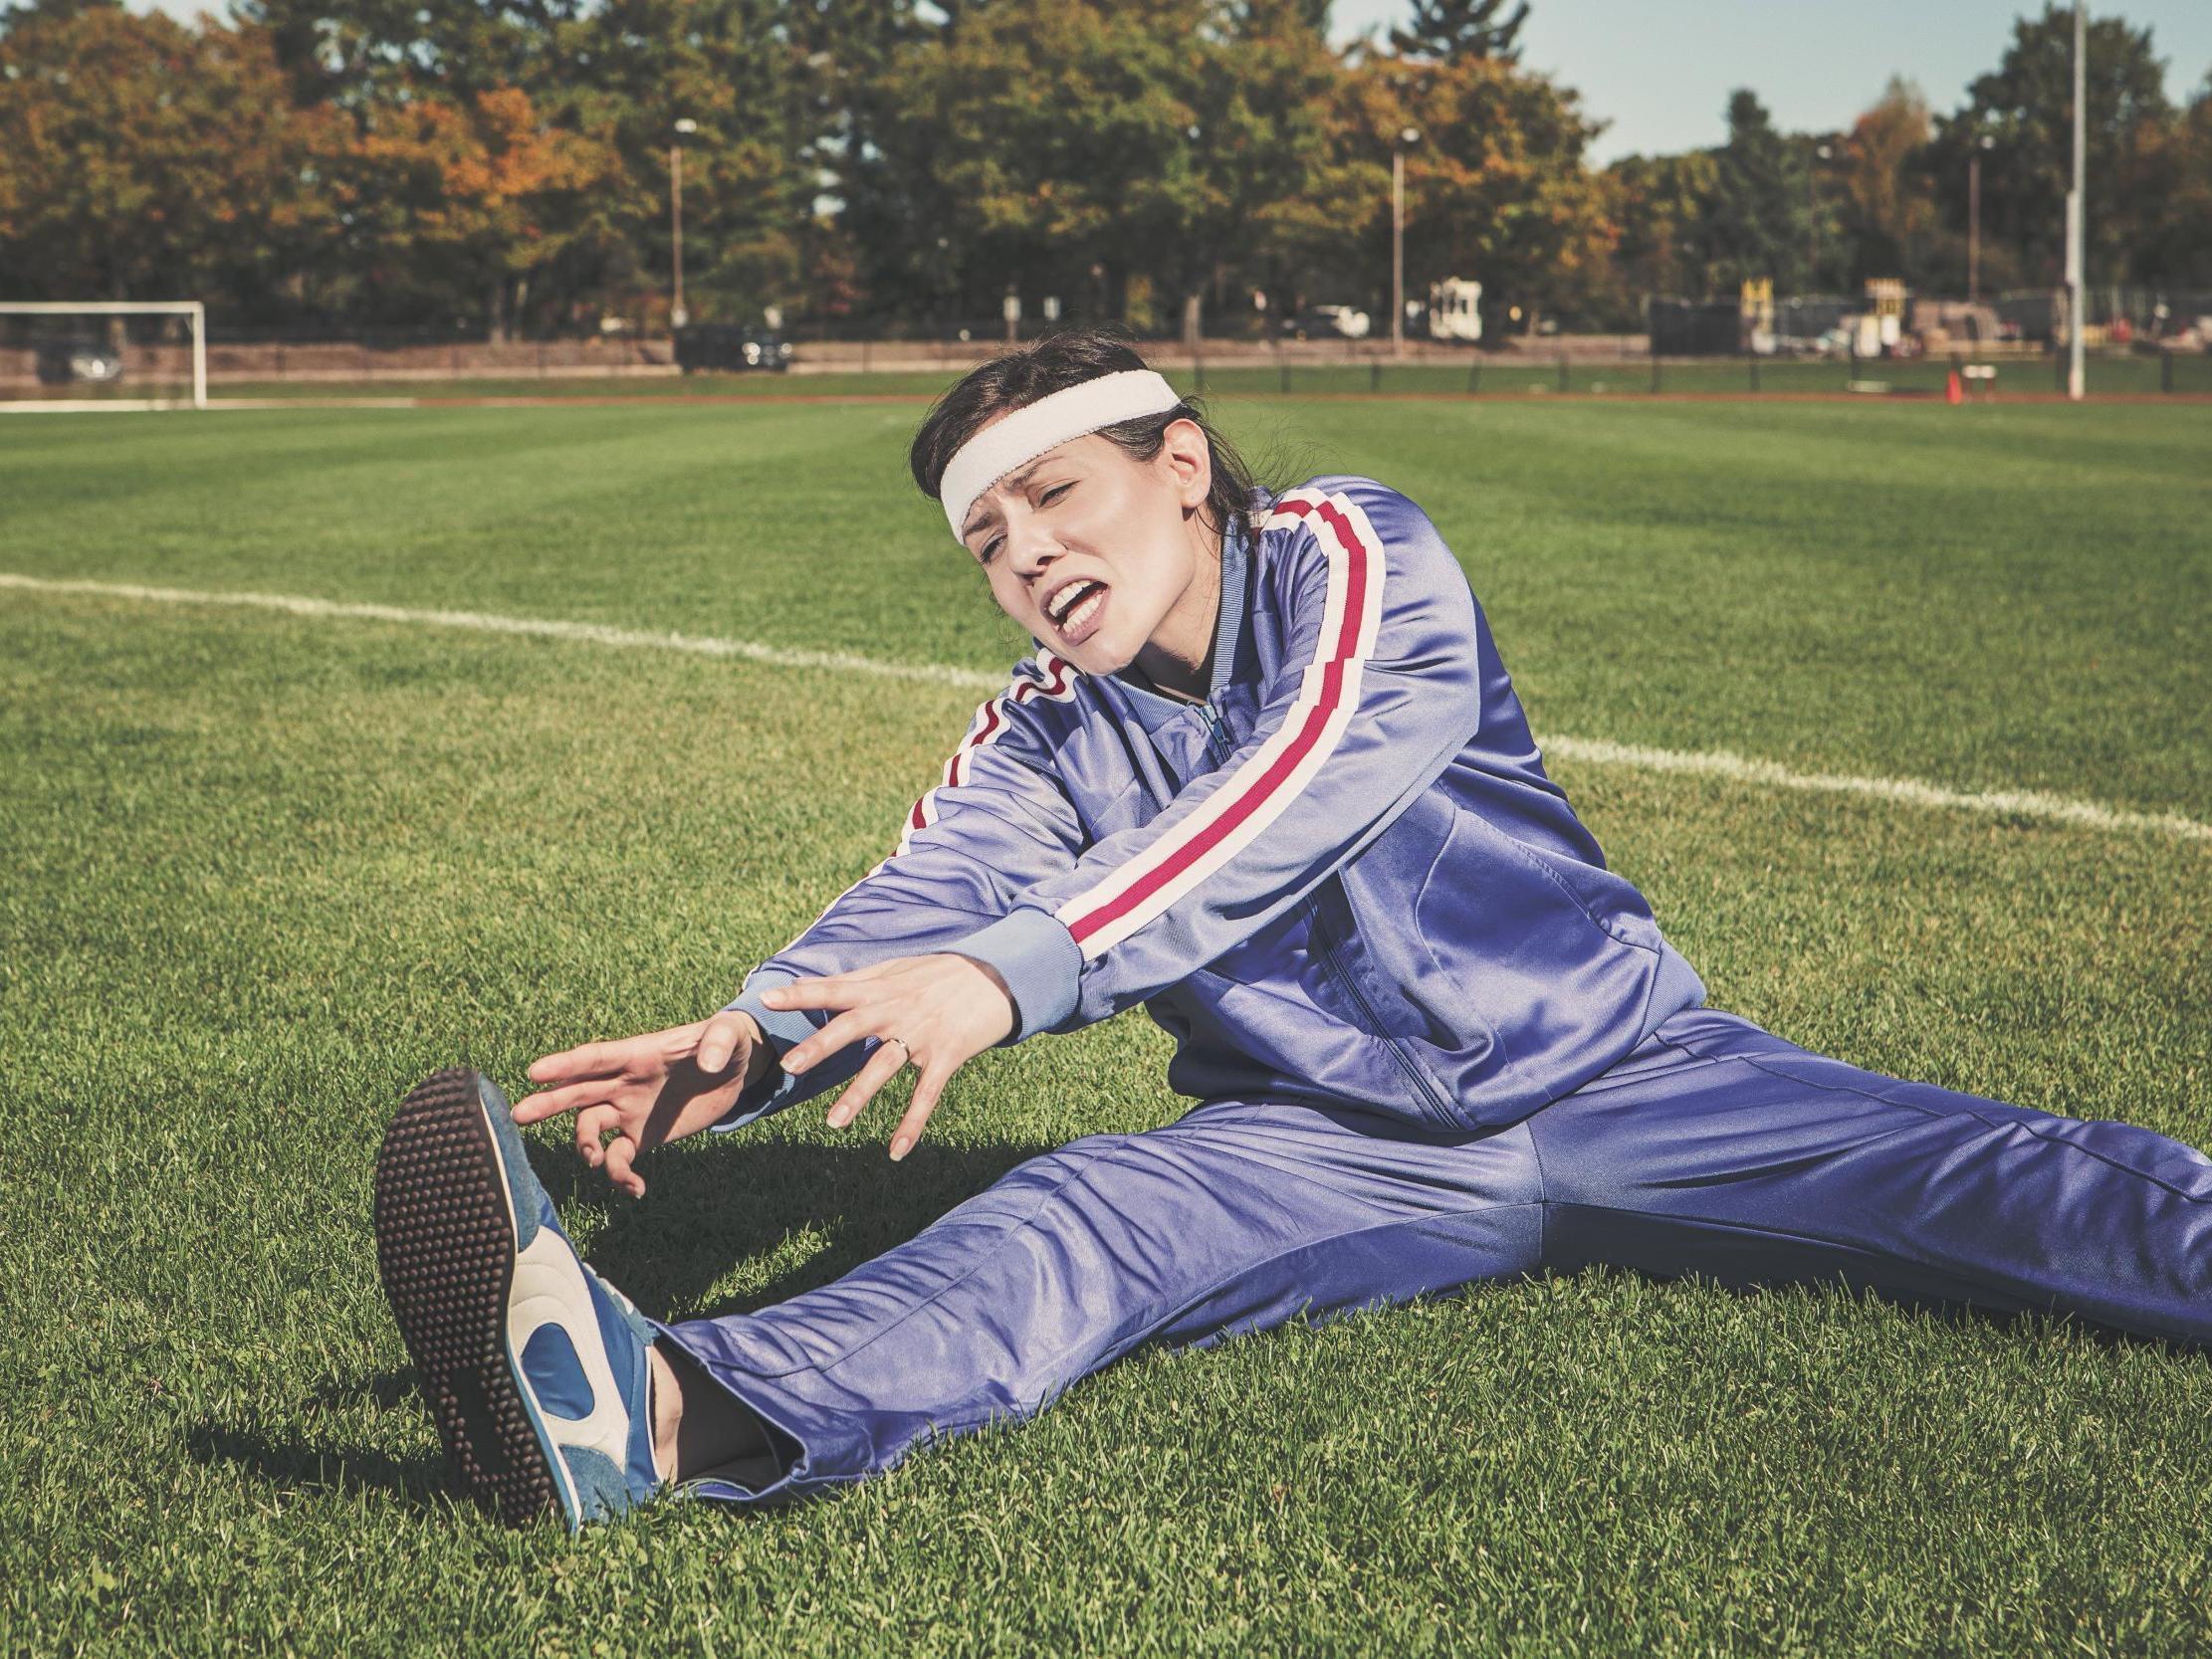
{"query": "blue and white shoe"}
{"type": "Point", "coordinates": [535, 1366]}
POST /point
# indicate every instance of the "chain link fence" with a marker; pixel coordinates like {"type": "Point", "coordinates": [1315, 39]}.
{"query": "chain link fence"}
{"type": "Point", "coordinates": [2003, 348]}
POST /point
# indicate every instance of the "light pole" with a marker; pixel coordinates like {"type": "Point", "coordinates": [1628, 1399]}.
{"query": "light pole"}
{"type": "Point", "coordinates": [677, 315]}
{"type": "Point", "coordinates": [1406, 138]}
{"type": "Point", "coordinates": [2075, 213]}
{"type": "Point", "coordinates": [1982, 146]}
{"type": "Point", "coordinates": [1822, 152]}
{"type": "Point", "coordinates": [1194, 313]}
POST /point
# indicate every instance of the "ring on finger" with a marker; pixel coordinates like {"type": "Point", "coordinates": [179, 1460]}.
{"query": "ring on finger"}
{"type": "Point", "coordinates": [906, 1050]}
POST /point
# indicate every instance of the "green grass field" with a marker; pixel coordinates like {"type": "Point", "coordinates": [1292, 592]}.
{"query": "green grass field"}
{"type": "Point", "coordinates": [263, 871]}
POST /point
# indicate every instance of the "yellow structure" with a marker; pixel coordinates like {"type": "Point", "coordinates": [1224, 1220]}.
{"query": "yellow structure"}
{"type": "Point", "coordinates": [1755, 298]}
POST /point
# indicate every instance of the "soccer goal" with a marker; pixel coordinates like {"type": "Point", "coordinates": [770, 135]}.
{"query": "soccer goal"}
{"type": "Point", "coordinates": [68, 355]}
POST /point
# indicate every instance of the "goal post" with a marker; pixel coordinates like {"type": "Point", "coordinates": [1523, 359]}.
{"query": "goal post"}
{"type": "Point", "coordinates": [53, 358]}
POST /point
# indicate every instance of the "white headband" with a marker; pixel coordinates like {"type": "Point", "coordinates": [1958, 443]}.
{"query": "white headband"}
{"type": "Point", "coordinates": [1045, 424]}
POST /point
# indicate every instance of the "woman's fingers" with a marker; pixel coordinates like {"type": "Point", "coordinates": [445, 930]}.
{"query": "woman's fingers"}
{"type": "Point", "coordinates": [926, 1094]}
{"type": "Point", "coordinates": [621, 1155]}
{"type": "Point", "coordinates": [833, 990]}
{"type": "Point", "coordinates": [584, 1059]}
{"type": "Point", "coordinates": [882, 1067]}
{"type": "Point", "coordinates": [828, 990]}
{"type": "Point", "coordinates": [848, 1027]}
{"type": "Point", "coordinates": [592, 1122]}
{"type": "Point", "coordinates": [552, 1102]}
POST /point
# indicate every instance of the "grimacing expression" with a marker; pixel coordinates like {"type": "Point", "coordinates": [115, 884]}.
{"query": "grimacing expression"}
{"type": "Point", "coordinates": [1089, 548]}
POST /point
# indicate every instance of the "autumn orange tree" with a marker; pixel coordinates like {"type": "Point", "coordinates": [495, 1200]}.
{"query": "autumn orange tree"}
{"type": "Point", "coordinates": [505, 163]}
{"type": "Point", "coordinates": [605, 83]}
{"type": "Point", "coordinates": [1891, 210]}
{"type": "Point", "coordinates": [470, 195]}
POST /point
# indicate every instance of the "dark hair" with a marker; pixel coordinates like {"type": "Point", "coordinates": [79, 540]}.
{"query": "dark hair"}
{"type": "Point", "coordinates": [1059, 361]}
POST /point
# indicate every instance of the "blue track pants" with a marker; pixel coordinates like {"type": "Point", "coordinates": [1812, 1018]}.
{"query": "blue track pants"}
{"type": "Point", "coordinates": [1715, 1148]}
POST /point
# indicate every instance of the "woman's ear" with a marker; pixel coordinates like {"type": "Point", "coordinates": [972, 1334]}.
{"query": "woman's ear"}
{"type": "Point", "coordinates": [1187, 456]}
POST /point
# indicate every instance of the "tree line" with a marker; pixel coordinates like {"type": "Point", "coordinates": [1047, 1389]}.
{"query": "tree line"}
{"type": "Point", "coordinates": [1172, 163]}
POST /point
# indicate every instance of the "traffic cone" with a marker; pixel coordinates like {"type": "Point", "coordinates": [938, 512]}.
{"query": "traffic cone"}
{"type": "Point", "coordinates": [1955, 390]}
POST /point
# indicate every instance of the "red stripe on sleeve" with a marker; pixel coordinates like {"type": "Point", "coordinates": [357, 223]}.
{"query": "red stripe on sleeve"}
{"type": "Point", "coordinates": [1253, 796]}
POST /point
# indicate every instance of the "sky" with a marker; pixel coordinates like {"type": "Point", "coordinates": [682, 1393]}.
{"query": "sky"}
{"type": "Point", "coordinates": [1660, 72]}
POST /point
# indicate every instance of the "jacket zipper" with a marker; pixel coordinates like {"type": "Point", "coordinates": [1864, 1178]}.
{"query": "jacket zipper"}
{"type": "Point", "coordinates": [1329, 954]}
{"type": "Point", "coordinates": [1424, 1092]}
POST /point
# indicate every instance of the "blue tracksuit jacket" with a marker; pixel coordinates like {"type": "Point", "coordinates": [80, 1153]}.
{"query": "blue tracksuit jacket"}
{"type": "Point", "coordinates": [1345, 879]}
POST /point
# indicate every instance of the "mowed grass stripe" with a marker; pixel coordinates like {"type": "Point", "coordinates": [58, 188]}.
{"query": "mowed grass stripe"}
{"type": "Point", "coordinates": [2000, 598]}
{"type": "Point", "coordinates": [2019, 803]}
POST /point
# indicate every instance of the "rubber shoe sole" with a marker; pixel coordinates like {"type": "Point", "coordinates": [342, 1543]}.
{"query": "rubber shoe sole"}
{"type": "Point", "coordinates": [446, 1249]}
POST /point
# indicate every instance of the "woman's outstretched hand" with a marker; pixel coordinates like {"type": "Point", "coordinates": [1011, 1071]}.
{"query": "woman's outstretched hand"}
{"type": "Point", "coordinates": [649, 1089]}
{"type": "Point", "coordinates": [939, 1011]}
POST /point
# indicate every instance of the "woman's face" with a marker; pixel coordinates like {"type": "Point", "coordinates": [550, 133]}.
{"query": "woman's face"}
{"type": "Point", "coordinates": [1097, 554]}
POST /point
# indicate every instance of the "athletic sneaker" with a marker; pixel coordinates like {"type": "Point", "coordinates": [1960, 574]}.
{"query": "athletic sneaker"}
{"type": "Point", "coordinates": [533, 1366]}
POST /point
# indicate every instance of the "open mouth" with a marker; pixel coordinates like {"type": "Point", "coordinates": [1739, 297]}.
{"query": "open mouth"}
{"type": "Point", "coordinates": [1077, 609]}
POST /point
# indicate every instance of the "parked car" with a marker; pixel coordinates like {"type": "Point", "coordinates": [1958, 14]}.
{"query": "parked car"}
{"type": "Point", "coordinates": [1324, 321]}
{"type": "Point", "coordinates": [59, 363]}
{"type": "Point", "coordinates": [730, 348]}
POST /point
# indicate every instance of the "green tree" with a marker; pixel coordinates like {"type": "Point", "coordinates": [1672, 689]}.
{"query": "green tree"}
{"type": "Point", "coordinates": [1658, 203]}
{"type": "Point", "coordinates": [354, 51]}
{"type": "Point", "coordinates": [1497, 188]}
{"type": "Point", "coordinates": [882, 235]}
{"type": "Point", "coordinates": [1456, 29]}
{"type": "Point", "coordinates": [1107, 154]}
{"type": "Point", "coordinates": [1754, 223]}
{"type": "Point", "coordinates": [1275, 192]}
{"type": "Point", "coordinates": [2176, 244]}
{"type": "Point", "coordinates": [2026, 104]}
{"type": "Point", "coordinates": [145, 160]}
{"type": "Point", "coordinates": [736, 70]}
{"type": "Point", "coordinates": [1033, 141]}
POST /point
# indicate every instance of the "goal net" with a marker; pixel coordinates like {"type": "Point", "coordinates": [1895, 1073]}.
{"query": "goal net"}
{"type": "Point", "coordinates": [111, 355]}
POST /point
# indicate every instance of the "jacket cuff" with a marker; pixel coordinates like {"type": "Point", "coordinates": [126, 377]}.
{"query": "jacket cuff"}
{"type": "Point", "coordinates": [784, 1028]}
{"type": "Point", "coordinates": [1039, 959]}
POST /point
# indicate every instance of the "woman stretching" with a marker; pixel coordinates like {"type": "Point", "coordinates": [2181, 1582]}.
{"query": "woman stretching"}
{"type": "Point", "coordinates": [1267, 776]}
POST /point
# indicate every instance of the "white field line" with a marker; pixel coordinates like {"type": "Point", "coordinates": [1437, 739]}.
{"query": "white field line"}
{"type": "Point", "coordinates": [583, 633]}
{"type": "Point", "coordinates": [152, 405]}
{"type": "Point", "coordinates": [92, 405]}
{"type": "Point", "coordinates": [2023, 803]}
